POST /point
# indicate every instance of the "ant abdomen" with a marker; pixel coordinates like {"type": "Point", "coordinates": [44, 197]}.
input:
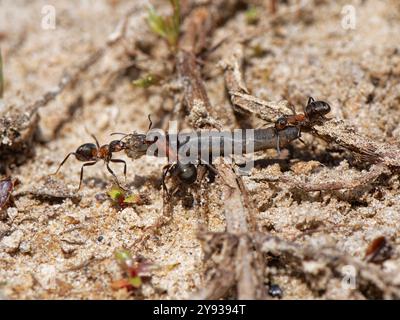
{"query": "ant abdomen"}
{"type": "Point", "coordinates": [187, 173]}
{"type": "Point", "coordinates": [317, 108]}
{"type": "Point", "coordinates": [86, 152]}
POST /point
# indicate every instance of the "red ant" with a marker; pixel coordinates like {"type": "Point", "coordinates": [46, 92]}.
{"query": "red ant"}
{"type": "Point", "coordinates": [314, 111]}
{"type": "Point", "coordinates": [91, 153]}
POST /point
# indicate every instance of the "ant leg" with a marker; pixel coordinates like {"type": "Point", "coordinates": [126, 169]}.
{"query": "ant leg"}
{"type": "Point", "coordinates": [113, 174]}
{"type": "Point", "coordinates": [85, 165]}
{"type": "Point", "coordinates": [300, 139]}
{"type": "Point", "coordinates": [310, 99]}
{"type": "Point", "coordinates": [293, 109]}
{"type": "Point", "coordinates": [210, 167]}
{"type": "Point", "coordinates": [65, 159]}
{"type": "Point", "coordinates": [120, 161]}
{"type": "Point", "coordinates": [150, 122]}
{"type": "Point", "coordinates": [214, 170]}
{"type": "Point", "coordinates": [166, 169]}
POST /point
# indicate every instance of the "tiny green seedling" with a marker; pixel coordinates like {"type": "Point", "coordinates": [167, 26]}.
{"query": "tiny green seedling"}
{"type": "Point", "coordinates": [121, 199]}
{"type": "Point", "coordinates": [166, 27]}
{"type": "Point", "coordinates": [147, 81]}
{"type": "Point", "coordinates": [136, 271]}
{"type": "Point", "coordinates": [252, 15]}
{"type": "Point", "coordinates": [258, 51]}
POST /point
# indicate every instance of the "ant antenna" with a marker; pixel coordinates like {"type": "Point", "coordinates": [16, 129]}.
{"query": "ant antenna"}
{"type": "Point", "coordinates": [150, 122]}
{"type": "Point", "coordinates": [125, 135]}
{"type": "Point", "coordinates": [119, 133]}
{"type": "Point", "coordinates": [92, 135]}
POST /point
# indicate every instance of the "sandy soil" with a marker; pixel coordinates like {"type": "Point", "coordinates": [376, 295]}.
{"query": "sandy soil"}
{"type": "Point", "coordinates": [57, 249]}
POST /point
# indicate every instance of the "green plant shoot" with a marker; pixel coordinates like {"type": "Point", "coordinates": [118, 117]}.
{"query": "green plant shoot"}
{"type": "Point", "coordinates": [166, 27]}
{"type": "Point", "coordinates": [147, 81]}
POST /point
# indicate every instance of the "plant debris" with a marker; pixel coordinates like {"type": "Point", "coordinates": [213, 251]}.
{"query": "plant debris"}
{"type": "Point", "coordinates": [378, 250]}
{"type": "Point", "coordinates": [136, 271]}
{"type": "Point", "coordinates": [6, 188]}
{"type": "Point", "coordinates": [122, 199]}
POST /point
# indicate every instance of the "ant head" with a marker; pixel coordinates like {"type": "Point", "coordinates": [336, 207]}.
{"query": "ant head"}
{"type": "Point", "coordinates": [86, 152]}
{"type": "Point", "coordinates": [281, 123]}
{"type": "Point", "coordinates": [117, 145]}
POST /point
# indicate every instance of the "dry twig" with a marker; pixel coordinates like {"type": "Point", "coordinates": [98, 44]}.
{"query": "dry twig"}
{"type": "Point", "coordinates": [237, 207]}
{"type": "Point", "coordinates": [365, 178]}
{"type": "Point", "coordinates": [337, 131]}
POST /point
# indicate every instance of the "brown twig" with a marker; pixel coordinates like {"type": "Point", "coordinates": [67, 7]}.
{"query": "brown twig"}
{"type": "Point", "coordinates": [240, 95]}
{"type": "Point", "coordinates": [238, 211]}
{"type": "Point", "coordinates": [363, 179]}
{"type": "Point", "coordinates": [197, 101]}
{"type": "Point", "coordinates": [337, 131]}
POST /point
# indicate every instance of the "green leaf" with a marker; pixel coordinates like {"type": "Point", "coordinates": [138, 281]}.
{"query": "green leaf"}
{"type": "Point", "coordinates": [156, 23]}
{"type": "Point", "coordinates": [122, 255]}
{"type": "Point", "coordinates": [147, 81]}
{"type": "Point", "coordinates": [166, 27]}
{"type": "Point", "coordinates": [252, 15]}
{"type": "Point", "coordinates": [115, 193]}
{"type": "Point", "coordinates": [176, 18]}
{"type": "Point", "coordinates": [135, 282]}
{"type": "Point", "coordinates": [170, 267]}
{"type": "Point", "coordinates": [133, 198]}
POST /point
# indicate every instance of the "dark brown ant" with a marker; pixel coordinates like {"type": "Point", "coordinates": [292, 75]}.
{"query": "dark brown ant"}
{"type": "Point", "coordinates": [317, 109]}
{"type": "Point", "coordinates": [91, 153]}
{"type": "Point", "coordinates": [186, 173]}
{"type": "Point", "coordinates": [314, 111]}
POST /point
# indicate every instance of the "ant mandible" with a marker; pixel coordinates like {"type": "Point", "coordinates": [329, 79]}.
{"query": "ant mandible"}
{"type": "Point", "coordinates": [91, 153]}
{"type": "Point", "coordinates": [314, 111]}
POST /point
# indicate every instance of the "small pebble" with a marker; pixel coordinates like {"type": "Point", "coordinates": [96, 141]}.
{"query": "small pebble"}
{"type": "Point", "coordinates": [11, 243]}
{"type": "Point", "coordinates": [275, 291]}
{"type": "Point", "coordinates": [25, 247]}
{"type": "Point", "coordinates": [12, 213]}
